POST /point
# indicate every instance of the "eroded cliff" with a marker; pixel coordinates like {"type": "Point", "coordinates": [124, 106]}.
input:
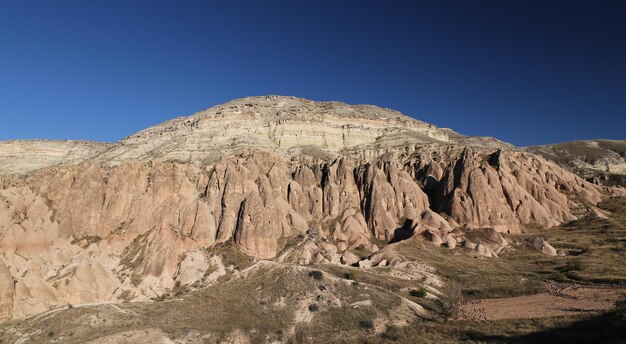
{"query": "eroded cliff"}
{"type": "Point", "coordinates": [279, 178]}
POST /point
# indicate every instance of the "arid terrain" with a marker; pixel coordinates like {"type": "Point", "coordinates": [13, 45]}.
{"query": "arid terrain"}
{"type": "Point", "coordinates": [283, 220]}
{"type": "Point", "coordinates": [601, 161]}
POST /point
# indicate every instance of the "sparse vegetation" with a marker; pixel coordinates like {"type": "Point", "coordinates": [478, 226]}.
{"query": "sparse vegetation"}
{"type": "Point", "coordinates": [126, 295]}
{"type": "Point", "coordinates": [159, 298]}
{"type": "Point", "coordinates": [361, 251]}
{"type": "Point", "coordinates": [289, 243]}
{"type": "Point", "coordinates": [87, 240]}
{"type": "Point", "coordinates": [366, 324]}
{"type": "Point", "coordinates": [448, 309]}
{"type": "Point", "coordinates": [351, 275]}
{"type": "Point", "coordinates": [132, 256]}
{"type": "Point", "coordinates": [390, 334]}
{"type": "Point", "coordinates": [418, 292]}
{"type": "Point", "coordinates": [262, 303]}
{"type": "Point", "coordinates": [316, 274]}
{"type": "Point", "coordinates": [231, 256]}
{"type": "Point", "coordinates": [594, 249]}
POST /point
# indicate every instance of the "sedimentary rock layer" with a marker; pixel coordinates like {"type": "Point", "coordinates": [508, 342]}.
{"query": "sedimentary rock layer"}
{"type": "Point", "coordinates": [21, 157]}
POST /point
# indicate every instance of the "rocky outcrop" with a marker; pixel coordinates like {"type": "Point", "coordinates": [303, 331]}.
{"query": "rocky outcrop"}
{"type": "Point", "coordinates": [20, 157]}
{"type": "Point", "coordinates": [600, 161]}
{"type": "Point", "coordinates": [41, 269]}
{"type": "Point", "coordinates": [7, 290]}
{"type": "Point", "coordinates": [273, 123]}
{"type": "Point", "coordinates": [542, 246]}
{"type": "Point", "coordinates": [146, 216]}
{"type": "Point", "coordinates": [503, 190]}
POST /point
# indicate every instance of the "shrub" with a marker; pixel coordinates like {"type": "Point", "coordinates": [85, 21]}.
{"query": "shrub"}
{"type": "Point", "coordinates": [316, 274]}
{"type": "Point", "coordinates": [390, 334]}
{"type": "Point", "coordinates": [350, 275]}
{"type": "Point", "coordinates": [449, 309]}
{"type": "Point", "coordinates": [571, 266]}
{"type": "Point", "coordinates": [418, 292]}
{"type": "Point", "coordinates": [313, 308]}
{"type": "Point", "coordinates": [366, 324]}
{"type": "Point", "coordinates": [159, 298]}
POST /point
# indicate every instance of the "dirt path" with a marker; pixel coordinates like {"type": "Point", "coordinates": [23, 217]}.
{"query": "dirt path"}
{"type": "Point", "coordinates": [562, 300]}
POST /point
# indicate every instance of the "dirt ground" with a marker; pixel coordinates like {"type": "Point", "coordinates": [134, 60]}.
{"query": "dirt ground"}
{"type": "Point", "coordinates": [563, 299]}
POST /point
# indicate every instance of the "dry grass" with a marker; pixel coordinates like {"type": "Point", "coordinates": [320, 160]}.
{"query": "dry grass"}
{"type": "Point", "coordinates": [581, 329]}
{"type": "Point", "coordinates": [389, 283]}
{"type": "Point", "coordinates": [231, 256]}
{"type": "Point", "coordinates": [263, 305]}
{"type": "Point", "coordinates": [595, 254]}
{"type": "Point", "coordinates": [596, 247]}
{"type": "Point", "coordinates": [618, 147]}
{"type": "Point", "coordinates": [468, 277]}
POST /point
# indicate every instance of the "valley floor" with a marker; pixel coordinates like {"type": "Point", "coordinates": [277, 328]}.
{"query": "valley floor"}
{"type": "Point", "coordinates": [571, 300]}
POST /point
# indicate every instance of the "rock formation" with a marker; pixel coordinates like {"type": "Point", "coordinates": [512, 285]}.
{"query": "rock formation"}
{"type": "Point", "coordinates": [132, 220]}
{"type": "Point", "coordinates": [600, 161]}
{"type": "Point", "coordinates": [20, 157]}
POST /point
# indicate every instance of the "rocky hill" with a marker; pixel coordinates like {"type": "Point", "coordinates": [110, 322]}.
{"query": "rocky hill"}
{"type": "Point", "coordinates": [602, 161]}
{"type": "Point", "coordinates": [278, 124]}
{"type": "Point", "coordinates": [194, 200]}
{"type": "Point", "coordinates": [20, 157]}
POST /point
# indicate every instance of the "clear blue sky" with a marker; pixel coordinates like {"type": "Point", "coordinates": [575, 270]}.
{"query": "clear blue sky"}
{"type": "Point", "coordinates": [527, 72]}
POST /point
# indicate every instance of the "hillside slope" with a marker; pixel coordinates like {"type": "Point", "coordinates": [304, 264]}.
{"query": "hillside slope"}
{"type": "Point", "coordinates": [188, 203]}
{"type": "Point", "coordinates": [603, 161]}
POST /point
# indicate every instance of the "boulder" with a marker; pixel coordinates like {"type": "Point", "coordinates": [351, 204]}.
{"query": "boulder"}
{"type": "Point", "coordinates": [349, 258]}
{"type": "Point", "coordinates": [365, 264]}
{"type": "Point", "coordinates": [542, 246]}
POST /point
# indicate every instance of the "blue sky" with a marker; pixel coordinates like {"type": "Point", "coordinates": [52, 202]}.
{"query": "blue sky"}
{"type": "Point", "coordinates": [527, 72]}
